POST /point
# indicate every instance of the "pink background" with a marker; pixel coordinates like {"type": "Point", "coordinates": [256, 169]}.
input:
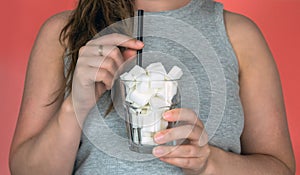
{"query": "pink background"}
{"type": "Point", "coordinates": [279, 20]}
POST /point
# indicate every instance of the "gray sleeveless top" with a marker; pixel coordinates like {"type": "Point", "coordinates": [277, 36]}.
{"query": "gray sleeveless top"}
{"type": "Point", "coordinates": [194, 38]}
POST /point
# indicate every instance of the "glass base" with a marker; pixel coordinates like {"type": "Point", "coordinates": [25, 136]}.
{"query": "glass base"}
{"type": "Point", "coordinates": [138, 144]}
{"type": "Point", "coordinates": [144, 149]}
{"type": "Point", "coordinates": [147, 149]}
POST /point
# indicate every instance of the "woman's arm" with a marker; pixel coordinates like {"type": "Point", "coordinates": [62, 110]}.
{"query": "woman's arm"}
{"type": "Point", "coordinates": [48, 134]}
{"type": "Point", "coordinates": [266, 145]}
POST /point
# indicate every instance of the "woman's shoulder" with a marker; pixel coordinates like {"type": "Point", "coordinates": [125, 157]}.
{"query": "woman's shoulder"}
{"type": "Point", "coordinates": [58, 20]}
{"type": "Point", "coordinates": [239, 23]}
{"type": "Point", "coordinates": [52, 27]}
{"type": "Point", "coordinates": [245, 35]}
{"type": "Point", "coordinates": [48, 38]}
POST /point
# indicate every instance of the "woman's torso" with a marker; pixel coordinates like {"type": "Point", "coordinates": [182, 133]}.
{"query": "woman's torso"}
{"type": "Point", "coordinates": [193, 37]}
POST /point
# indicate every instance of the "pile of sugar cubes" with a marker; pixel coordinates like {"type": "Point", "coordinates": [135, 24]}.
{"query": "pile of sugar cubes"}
{"type": "Point", "coordinates": [149, 93]}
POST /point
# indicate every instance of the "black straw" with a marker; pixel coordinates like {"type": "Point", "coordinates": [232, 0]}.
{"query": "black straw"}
{"type": "Point", "coordinates": [140, 35]}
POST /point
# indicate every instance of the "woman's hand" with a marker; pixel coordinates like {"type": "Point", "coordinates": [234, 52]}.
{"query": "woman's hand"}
{"type": "Point", "coordinates": [191, 157]}
{"type": "Point", "coordinates": [97, 64]}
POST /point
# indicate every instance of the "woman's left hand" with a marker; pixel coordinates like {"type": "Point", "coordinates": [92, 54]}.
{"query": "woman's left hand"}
{"type": "Point", "coordinates": [191, 157]}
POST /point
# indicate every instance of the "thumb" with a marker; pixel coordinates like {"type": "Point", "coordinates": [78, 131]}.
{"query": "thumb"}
{"type": "Point", "coordinates": [129, 53]}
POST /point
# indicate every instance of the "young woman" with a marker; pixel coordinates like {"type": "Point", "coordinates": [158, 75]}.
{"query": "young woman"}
{"type": "Point", "coordinates": [252, 138]}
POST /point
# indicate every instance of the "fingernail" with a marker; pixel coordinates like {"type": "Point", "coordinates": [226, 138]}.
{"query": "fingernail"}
{"type": "Point", "coordinates": [158, 151]}
{"type": "Point", "coordinates": [167, 115]}
{"type": "Point", "coordinates": [140, 43]}
{"type": "Point", "coordinates": [159, 137]}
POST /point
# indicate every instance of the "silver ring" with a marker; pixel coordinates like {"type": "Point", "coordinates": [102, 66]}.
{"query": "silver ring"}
{"type": "Point", "coordinates": [100, 50]}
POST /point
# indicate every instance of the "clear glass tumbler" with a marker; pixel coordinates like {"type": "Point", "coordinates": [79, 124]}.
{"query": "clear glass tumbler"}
{"type": "Point", "coordinates": [145, 102]}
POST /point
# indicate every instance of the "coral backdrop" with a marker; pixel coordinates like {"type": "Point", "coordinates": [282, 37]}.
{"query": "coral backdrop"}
{"type": "Point", "coordinates": [279, 20]}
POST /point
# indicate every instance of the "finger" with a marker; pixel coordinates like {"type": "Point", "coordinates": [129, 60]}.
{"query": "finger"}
{"type": "Point", "coordinates": [182, 151]}
{"type": "Point", "coordinates": [182, 114]}
{"type": "Point", "coordinates": [117, 40]}
{"type": "Point", "coordinates": [92, 65]}
{"type": "Point", "coordinates": [191, 132]}
{"type": "Point", "coordinates": [109, 64]}
{"type": "Point", "coordinates": [92, 54]}
{"type": "Point", "coordinates": [129, 53]}
{"type": "Point", "coordinates": [203, 140]}
{"type": "Point", "coordinates": [99, 89]}
{"type": "Point", "coordinates": [195, 164]}
{"type": "Point", "coordinates": [105, 77]}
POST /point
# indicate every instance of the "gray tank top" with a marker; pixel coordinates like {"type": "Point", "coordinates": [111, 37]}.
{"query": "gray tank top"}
{"type": "Point", "coordinates": [194, 38]}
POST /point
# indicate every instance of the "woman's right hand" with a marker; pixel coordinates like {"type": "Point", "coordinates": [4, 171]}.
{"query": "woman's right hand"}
{"type": "Point", "coordinates": [97, 64]}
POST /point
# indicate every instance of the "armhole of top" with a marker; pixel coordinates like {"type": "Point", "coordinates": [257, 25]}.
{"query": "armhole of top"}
{"type": "Point", "coordinates": [220, 23]}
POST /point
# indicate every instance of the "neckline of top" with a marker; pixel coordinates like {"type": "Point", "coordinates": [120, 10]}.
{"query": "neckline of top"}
{"type": "Point", "coordinates": [179, 11]}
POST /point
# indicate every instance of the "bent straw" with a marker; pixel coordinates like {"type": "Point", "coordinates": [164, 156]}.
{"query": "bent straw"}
{"type": "Point", "coordinates": [140, 36]}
